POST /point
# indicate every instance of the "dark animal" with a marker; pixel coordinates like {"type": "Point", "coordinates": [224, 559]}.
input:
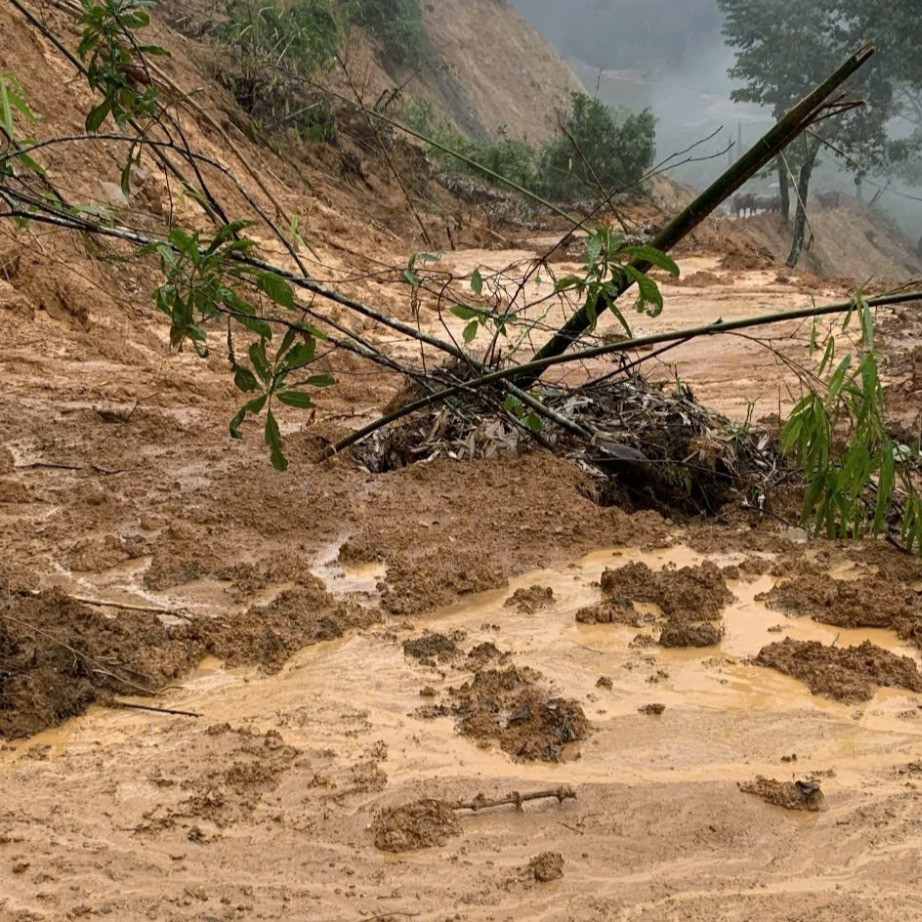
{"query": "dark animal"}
{"type": "Point", "coordinates": [743, 203]}
{"type": "Point", "coordinates": [828, 199]}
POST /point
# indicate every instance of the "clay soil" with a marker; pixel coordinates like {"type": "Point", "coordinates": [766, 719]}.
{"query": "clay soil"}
{"type": "Point", "coordinates": [337, 655]}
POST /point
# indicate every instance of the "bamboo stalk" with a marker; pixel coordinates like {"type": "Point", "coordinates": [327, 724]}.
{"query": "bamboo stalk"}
{"type": "Point", "coordinates": [758, 156]}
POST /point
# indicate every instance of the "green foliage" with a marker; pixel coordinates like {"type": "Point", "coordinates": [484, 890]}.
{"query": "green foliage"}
{"type": "Point", "coordinates": [397, 25]}
{"type": "Point", "coordinates": [114, 59]}
{"type": "Point", "coordinates": [204, 280]}
{"type": "Point", "coordinates": [601, 149]}
{"type": "Point", "coordinates": [13, 106]}
{"type": "Point", "coordinates": [273, 43]}
{"type": "Point", "coordinates": [867, 485]}
{"type": "Point", "coordinates": [785, 47]}
{"type": "Point", "coordinates": [300, 36]}
{"type": "Point", "coordinates": [607, 272]}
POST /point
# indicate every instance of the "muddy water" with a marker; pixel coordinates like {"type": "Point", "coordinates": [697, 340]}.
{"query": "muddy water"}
{"type": "Point", "coordinates": [724, 717]}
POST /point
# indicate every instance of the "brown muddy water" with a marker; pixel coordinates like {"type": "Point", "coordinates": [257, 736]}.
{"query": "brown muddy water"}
{"type": "Point", "coordinates": [265, 801]}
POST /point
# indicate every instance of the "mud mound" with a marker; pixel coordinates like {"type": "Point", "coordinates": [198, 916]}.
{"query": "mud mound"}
{"type": "Point", "coordinates": [661, 449]}
{"type": "Point", "coordinates": [483, 654]}
{"type": "Point", "coordinates": [700, 279]}
{"type": "Point", "coordinates": [530, 600]}
{"type": "Point", "coordinates": [421, 824]}
{"type": "Point", "coordinates": [696, 593]}
{"type": "Point", "coordinates": [683, 634]}
{"type": "Point", "coordinates": [792, 795]}
{"type": "Point", "coordinates": [431, 647]}
{"type": "Point", "coordinates": [615, 610]}
{"type": "Point", "coordinates": [872, 601]}
{"type": "Point", "coordinates": [546, 867]}
{"type": "Point", "coordinates": [57, 657]}
{"type": "Point", "coordinates": [270, 634]}
{"type": "Point", "coordinates": [849, 674]}
{"type": "Point", "coordinates": [422, 583]}
{"type": "Point", "coordinates": [510, 707]}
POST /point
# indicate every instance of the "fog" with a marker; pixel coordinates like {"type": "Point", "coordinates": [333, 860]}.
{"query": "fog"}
{"type": "Point", "coordinates": [670, 55]}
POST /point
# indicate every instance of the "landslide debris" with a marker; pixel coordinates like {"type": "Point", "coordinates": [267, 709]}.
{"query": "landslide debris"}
{"type": "Point", "coordinates": [792, 795]}
{"type": "Point", "coordinates": [513, 708]}
{"type": "Point", "coordinates": [58, 656]}
{"type": "Point", "coordinates": [690, 600]}
{"type": "Point", "coordinates": [873, 601]}
{"type": "Point", "coordinates": [848, 674]}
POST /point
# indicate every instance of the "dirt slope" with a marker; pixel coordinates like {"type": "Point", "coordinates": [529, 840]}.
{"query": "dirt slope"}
{"type": "Point", "coordinates": [493, 69]}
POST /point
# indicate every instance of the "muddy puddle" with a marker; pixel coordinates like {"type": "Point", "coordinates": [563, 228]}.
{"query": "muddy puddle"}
{"type": "Point", "coordinates": [695, 713]}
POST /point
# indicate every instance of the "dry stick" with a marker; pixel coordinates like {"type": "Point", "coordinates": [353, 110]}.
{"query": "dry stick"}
{"type": "Point", "coordinates": [35, 593]}
{"type": "Point", "coordinates": [565, 792]}
{"type": "Point", "coordinates": [788, 128]}
{"type": "Point", "coordinates": [538, 365]}
{"type": "Point", "coordinates": [146, 707]}
{"type": "Point", "coordinates": [383, 149]}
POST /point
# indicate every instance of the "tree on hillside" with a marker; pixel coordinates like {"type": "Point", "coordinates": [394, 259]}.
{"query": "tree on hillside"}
{"type": "Point", "coordinates": [783, 48]}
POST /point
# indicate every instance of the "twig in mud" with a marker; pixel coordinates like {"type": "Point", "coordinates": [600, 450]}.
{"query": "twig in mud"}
{"type": "Point", "coordinates": [87, 659]}
{"type": "Point", "coordinates": [148, 707]}
{"type": "Point", "coordinates": [104, 603]}
{"type": "Point", "coordinates": [564, 792]}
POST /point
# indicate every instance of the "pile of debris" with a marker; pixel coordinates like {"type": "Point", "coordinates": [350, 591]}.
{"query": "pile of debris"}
{"type": "Point", "coordinates": [646, 444]}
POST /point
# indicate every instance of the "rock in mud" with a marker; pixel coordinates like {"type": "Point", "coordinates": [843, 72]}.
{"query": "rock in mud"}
{"type": "Point", "coordinates": [690, 634]}
{"type": "Point", "coordinates": [849, 674]}
{"type": "Point", "coordinates": [421, 824]}
{"type": "Point", "coordinates": [546, 867]}
{"type": "Point", "coordinates": [792, 795]}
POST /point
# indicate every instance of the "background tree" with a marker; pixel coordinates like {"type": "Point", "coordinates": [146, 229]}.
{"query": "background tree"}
{"type": "Point", "coordinates": [783, 48]}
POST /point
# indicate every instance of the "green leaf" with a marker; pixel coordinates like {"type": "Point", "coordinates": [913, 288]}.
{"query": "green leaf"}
{"type": "Point", "coordinates": [477, 282]}
{"type": "Point", "coordinates": [6, 112]}
{"type": "Point", "coordinates": [300, 355]}
{"type": "Point", "coordinates": [277, 289]}
{"type": "Point", "coordinates": [274, 441]}
{"type": "Point", "coordinates": [244, 379]}
{"type": "Point", "coordinates": [655, 257]}
{"type": "Point", "coordinates": [469, 334]}
{"type": "Point", "coordinates": [226, 232]}
{"type": "Point", "coordinates": [533, 422]}
{"type": "Point", "coordinates": [257, 353]}
{"type": "Point", "coordinates": [568, 281]}
{"type": "Point", "coordinates": [467, 313]}
{"type": "Point", "coordinates": [253, 407]}
{"type": "Point", "coordinates": [296, 399]}
{"type": "Point", "coordinates": [98, 115]}
{"type": "Point", "coordinates": [322, 380]}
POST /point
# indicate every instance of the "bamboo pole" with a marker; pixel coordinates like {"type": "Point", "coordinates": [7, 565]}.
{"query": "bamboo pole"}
{"type": "Point", "coordinates": [757, 157]}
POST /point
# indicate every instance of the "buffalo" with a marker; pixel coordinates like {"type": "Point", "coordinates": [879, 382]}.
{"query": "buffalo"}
{"type": "Point", "coordinates": [828, 199]}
